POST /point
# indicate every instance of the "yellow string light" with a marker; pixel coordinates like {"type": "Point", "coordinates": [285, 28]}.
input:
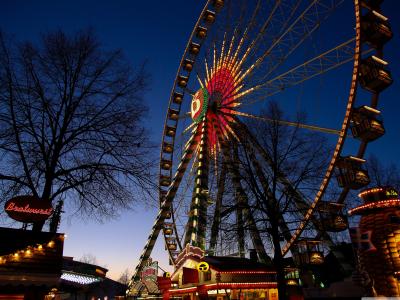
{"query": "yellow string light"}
{"type": "Point", "coordinates": [28, 251]}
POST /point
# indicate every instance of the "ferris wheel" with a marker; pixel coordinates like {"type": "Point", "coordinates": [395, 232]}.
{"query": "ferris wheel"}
{"type": "Point", "coordinates": [241, 55]}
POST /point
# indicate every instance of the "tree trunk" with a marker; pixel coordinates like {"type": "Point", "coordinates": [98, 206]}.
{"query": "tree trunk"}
{"type": "Point", "coordinates": [38, 226]}
{"type": "Point", "coordinates": [278, 261]}
{"type": "Point", "coordinates": [280, 272]}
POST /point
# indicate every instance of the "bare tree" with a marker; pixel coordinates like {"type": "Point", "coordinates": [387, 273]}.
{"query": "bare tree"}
{"type": "Point", "coordinates": [71, 123]}
{"type": "Point", "coordinates": [89, 258]}
{"type": "Point", "coordinates": [382, 174]}
{"type": "Point", "coordinates": [125, 277]}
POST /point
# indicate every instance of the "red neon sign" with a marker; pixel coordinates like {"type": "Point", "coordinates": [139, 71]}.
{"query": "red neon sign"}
{"type": "Point", "coordinates": [28, 209]}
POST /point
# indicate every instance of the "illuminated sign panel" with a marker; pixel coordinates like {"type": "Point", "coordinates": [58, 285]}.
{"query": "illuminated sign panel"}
{"type": "Point", "coordinates": [28, 209]}
{"type": "Point", "coordinates": [392, 193]}
{"type": "Point", "coordinates": [149, 277]}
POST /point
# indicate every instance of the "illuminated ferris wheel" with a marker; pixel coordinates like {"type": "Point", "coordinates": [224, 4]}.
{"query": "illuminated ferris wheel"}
{"type": "Point", "coordinates": [311, 55]}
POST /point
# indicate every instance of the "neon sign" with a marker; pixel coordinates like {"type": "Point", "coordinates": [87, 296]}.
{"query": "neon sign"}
{"type": "Point", "coordinates": [28, 209]}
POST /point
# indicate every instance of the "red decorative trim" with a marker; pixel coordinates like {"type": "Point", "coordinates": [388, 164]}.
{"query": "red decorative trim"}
{"type": "Point", "coordinates": [234, 285]}
{"type": "Point", "coordinates": [183, 290]}
{"type": "Point", "coordinates": [247, 272]}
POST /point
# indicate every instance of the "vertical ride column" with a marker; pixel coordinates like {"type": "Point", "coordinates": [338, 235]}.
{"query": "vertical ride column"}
{"type": "Point", "coordinates": [197, 223]}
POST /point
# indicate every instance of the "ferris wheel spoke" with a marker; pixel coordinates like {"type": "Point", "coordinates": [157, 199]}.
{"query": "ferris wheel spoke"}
{"type": "Point", "coordinates": [239, 200]}
{"type": "Point", "coordinates": [240, 203]}
{"type": "Point", "coordinates": [181, 198]}
{"type": "Point", "coordinates": [207, 70]}
{"type": "Point", "coordinates": [318, 65]}
{"type": "Point", "coordinates": [298, 31]}
{"type": "Point", "coordinates": [199, 80]}
{"type": "Point", "coordinates": [174, 228]}
{"type": "Point", "coordinates": [278, 15]}
{"type": "Point", "coordinates": [243, 209]}
{"type": "Point", "coordinates": [277, 12]}
{"type": "Point", "coordinates": [190, 127]}
{"type": "Point", "coordinates": [232, 113]}
{"type": "Point", "coordinates": [289, 44]}
{"type": "Point", "coordinates": [196, 225]}
{"type": "Point", "coordinates": [231, 60]}
{"type": "Point", "coordinates": [239, 212]}
{"type": "Point", "coordinates": [299, 199]}
{"type": "Point", "coordinates": [217, 211]}
{"type": "Point", "coordinates": [165, 206]}
{"type": "Point", "coordinates": [247, 28]}
{"type": "Point", "coordinates": [273, 202]}
{"type": "Point", "coordinates": [188, 153]}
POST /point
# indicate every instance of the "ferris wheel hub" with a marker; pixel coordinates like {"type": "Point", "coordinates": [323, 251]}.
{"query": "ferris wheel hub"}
{"type": "Point", "coordinates": [215, 100]}
{"type": "Point", "coordinates": [199, 105]}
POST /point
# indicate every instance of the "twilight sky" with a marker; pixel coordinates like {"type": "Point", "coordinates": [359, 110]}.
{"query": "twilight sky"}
{"type": "Point", "coordinates": [155, 31]}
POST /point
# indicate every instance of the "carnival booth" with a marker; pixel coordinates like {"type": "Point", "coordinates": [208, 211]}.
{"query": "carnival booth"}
{"type": "Point", "coordinates": [211, 277]}
{"type": "Point", "coordinates": [377, 239]}
{"type": "Point", "coordinates": [30, 263]}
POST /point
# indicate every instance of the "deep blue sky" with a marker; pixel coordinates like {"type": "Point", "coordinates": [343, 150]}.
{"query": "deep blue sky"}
{"type": "Point", "coordinates": [156, 31]}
